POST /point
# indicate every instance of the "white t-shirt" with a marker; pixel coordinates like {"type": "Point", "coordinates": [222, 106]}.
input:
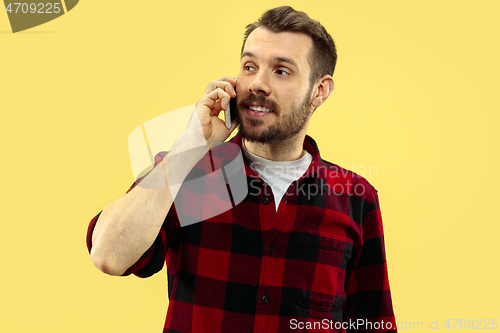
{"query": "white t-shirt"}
{"type": "Point", "coordinates": [279, 175]}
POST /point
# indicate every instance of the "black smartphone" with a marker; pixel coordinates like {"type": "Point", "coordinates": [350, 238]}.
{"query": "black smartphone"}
{"type": "Point", "coordinates": [231, 112]}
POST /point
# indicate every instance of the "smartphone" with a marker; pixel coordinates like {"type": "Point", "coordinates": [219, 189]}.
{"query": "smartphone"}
{"type": "Point", "coordinates": [231, 112]}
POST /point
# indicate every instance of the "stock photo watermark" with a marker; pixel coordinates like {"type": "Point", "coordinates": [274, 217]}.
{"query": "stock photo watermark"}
{"type": "Point", "coordinates": [220, 176]}
{"type": "Point", "coordinates": [363, 324]}
{"type": "Point", "coordinates": [25, 15]}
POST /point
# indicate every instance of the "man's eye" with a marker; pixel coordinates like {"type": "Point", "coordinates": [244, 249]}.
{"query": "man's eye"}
{"type": "Point", "coordinates": [282, 72]}
{"type": "Point", "coordinates": [248, 68]}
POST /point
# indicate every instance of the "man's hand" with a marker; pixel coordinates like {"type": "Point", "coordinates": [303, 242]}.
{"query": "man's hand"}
{"type": "Point", "coordinates": [214, 100]}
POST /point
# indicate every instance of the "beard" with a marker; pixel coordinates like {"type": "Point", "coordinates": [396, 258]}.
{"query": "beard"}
{"type": "Point", "coordinates": [284, 127]}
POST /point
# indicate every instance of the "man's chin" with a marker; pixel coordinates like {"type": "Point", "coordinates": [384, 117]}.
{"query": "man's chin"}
{"type": "Point", "coordinates": [264, 137]}
{"type": "Point", "coordinates": [252, 135]}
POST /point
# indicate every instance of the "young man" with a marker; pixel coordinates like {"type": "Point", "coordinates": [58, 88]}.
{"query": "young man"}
{"type": "Point", "coordinates": [303, 251]}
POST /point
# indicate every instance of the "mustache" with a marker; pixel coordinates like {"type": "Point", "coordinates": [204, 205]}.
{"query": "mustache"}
{"type": "Point", "coordinates": [259, 99]}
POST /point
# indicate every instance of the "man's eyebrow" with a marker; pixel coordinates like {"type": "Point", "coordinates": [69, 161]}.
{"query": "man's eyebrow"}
{"type": "Point", "coordinates": [284, 59]}
{"type": "Point", "coordinates": [247, 54]}
{"type": "Point", "coordinates": [276, 59]}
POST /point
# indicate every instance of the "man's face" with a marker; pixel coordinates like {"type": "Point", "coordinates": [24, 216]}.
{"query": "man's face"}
{"type": "Point", "coordinates": [273, 89]}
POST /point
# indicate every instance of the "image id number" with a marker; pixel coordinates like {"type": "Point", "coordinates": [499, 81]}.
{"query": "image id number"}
{"type": "Point", "coordinates": [477, 324]}
{"type": "Point", "coordinates": [23, 7]}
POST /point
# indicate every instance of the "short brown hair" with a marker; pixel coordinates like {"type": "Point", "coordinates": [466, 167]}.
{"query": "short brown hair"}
{"type": "Point", "coordinates": [323, 56]}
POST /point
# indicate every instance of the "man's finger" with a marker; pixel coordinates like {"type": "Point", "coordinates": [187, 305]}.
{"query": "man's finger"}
{"type": "Point", "coordinates": [226, 86]}
{"type": "Point", "coordinates": [219, 94]}
{"type": "Point", "coordinates": [227, 79]}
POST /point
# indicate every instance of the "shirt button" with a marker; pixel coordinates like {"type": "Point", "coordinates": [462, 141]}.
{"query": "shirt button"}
{"type": "Point", "coordinates": [271, 249]}
{"type": "Point", "coordinates": [265, 201]}
{"type": "Point", "coordinates": [265, 299]}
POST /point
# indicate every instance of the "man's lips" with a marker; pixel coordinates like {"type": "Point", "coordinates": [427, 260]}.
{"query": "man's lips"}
{"type": "Point", "coordinates": [259, 108]}
{"type": "Point", "coordinates": [258, 111]}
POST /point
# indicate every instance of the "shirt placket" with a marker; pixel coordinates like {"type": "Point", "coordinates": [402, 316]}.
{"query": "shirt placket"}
{"type": "Point", "coordinates": [275, 226]}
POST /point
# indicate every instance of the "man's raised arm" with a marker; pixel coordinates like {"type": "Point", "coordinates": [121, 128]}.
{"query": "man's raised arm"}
{"type": "Point", "coordinates": [127, 227]}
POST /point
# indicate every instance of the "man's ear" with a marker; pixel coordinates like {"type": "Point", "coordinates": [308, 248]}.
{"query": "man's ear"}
{"type": "Point", "coordinates": [324, 89]}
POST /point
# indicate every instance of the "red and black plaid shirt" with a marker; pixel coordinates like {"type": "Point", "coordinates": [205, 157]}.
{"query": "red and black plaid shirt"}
{"type": "Point", "coordinates": [316, 265]}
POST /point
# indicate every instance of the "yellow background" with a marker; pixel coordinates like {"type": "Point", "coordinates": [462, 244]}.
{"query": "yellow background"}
{"type": "Point", "coordinates": [416, 97]}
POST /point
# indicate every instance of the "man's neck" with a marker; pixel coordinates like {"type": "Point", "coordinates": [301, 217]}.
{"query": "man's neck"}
{"type": "Point", "coordinates": [288, 150]}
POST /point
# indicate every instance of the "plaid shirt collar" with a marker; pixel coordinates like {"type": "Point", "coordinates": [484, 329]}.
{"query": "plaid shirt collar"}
{"type": "Point", "coordinates": [316, 170]}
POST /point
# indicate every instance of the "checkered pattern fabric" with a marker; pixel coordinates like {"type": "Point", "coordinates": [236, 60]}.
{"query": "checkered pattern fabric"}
{"type": "Point", "coordinates": [316, 265]}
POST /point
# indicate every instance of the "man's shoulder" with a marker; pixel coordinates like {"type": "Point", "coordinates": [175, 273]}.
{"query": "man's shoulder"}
{"type": "Point", "coordinates": [227, 150]}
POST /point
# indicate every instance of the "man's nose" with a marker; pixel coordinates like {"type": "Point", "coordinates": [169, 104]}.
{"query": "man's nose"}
{"type": "Point", "coordinates": [260, 84]}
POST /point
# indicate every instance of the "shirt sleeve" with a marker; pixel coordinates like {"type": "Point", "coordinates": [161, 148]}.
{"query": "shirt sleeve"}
{"type": "Point", "coordinates": [153, 259]}
{"type": "Point", "coordinates": [369, 302]}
